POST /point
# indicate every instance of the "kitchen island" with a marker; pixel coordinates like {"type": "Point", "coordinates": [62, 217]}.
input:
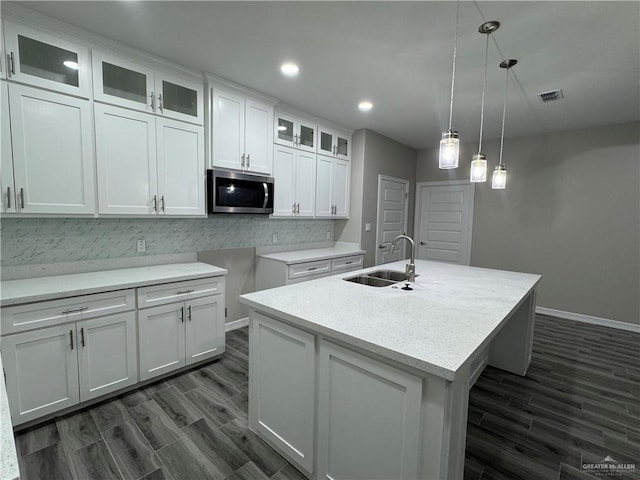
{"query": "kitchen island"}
{"type": "Point", "coordinates": [352, 381]}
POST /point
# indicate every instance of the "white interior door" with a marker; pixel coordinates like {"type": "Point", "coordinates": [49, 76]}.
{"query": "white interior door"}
{"type": "Point", "coordinates": [393, 194]}
{"type": "Point", "coordinates": [444, 221]}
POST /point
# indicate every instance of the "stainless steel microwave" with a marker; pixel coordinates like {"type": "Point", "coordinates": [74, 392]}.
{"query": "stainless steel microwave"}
{"type": "Point", "coordinates": [235, 192]}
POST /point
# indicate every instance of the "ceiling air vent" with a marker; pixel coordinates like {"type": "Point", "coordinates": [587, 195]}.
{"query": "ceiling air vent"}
{"type": "Point", "coordinates": [552, 96]}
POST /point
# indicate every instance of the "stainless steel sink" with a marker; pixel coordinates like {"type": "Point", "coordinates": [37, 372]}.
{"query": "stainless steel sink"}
{"type": "Point", "coordinates": [379, 278]}
{"type": "Point", "coordinates": [371, 281]}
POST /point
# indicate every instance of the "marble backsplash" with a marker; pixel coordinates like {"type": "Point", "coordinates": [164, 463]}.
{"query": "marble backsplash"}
{"type": "Point", "coordinates": [31, 241]}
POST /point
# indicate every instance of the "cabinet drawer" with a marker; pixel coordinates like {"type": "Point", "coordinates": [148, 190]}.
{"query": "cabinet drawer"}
{"type": "Point", "coordinates": [353, 262]}
{"type": "Point", "coordinates": [179, 291]}
{"type": "Point", "coordinates": [309, 268]}
{"type": "Point", "coordinates": [42, 314]}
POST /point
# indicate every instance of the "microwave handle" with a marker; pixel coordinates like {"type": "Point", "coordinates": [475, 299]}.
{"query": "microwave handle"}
{"type": "Point", "coordinates": [266, 194]}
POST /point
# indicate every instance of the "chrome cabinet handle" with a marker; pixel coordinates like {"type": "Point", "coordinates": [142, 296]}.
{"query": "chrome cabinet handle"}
{"type": "Point", "coordinates": [155, 203]}
{"type": "Point", "coordinates": [74, 310]}
{"type": "Point", "coordinates": [248, 160]}
{"type": "Point", "coordinates": [8, 197]}
{"type": "Point", "coordinates": [296, 140]}
{"type": "Point", "coordinates": [82, 337]}
{"type": "Point", "coordinates": [12, 63]}
{"type": "Point", "coordinates": [160, 103]}
{"type": "Point", "coordinates": [293, 208]}
{"type": "Point", "coordinates": [298, 209]}
{"type": "Point", "coordinates": [348, 263]}
{"type": "Point", "coordinates": [242, 162]}
{"type": "Point", "coordinates": [311, 268]}
{"type": "Point", "coordinates": [182, 314]}
{"type": "Point", "coordinates": [162, 203]}
{"type": "Point", "coordinates": [153, 103]}
{"type": "Point", "coordinates": [181, 292]}
{"type": "Point", "coordinates": [266, 195]}
{"type": "Point", "coordinates": [189, 312]}
{"type": "Point", "coordinates": [21, 197]}
{"type": "Point", "coordinates": [71, 335]}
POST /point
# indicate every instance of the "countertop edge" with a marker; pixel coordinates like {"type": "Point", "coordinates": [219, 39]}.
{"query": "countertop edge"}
{"type": "Point", "coordinates": [106, 287]}
{"type": "Point", "coordinates": [304, 257]}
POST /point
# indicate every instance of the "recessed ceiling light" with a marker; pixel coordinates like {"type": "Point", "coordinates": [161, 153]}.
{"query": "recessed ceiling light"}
{"type": "Point", "coordinates": [70, 64]}
{"type": "Point", "coordinates": [365, 106]}
{"type": "Point", "coordinates": [289, 69]}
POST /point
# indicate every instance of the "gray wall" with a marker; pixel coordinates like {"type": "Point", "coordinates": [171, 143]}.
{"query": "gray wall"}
{"type": "Point", "coordinates": [379, 155]}
{"type": "Point", "coordinates": [571, 212]}
{"type": "Point", "coordinates": [351, 230]}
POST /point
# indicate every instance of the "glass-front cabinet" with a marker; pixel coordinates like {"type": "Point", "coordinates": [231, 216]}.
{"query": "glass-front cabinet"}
{"type": "Point", "coordinates": [334, 144]}
{"type": "Point", "coordinates": [133, 85]}
{"type": "Point", "coordinates": [295, 132]}
{"type": "Point", "coordinates": [45, 61]}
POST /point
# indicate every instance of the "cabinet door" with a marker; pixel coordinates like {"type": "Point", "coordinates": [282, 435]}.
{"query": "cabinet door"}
{"type": "Point", "coordinates": [7, 187]}
{"type": "Point", "coordinates": [204, 328]}
{"type": "Point", "coordinates": [179, 97]}
{"type": "Point", "coordinates": [181, 169]}
{"type": "Point", "coordinates": [45, 61]}
{"type": "Point", "coordinates": [52, 140]}
{"type": "Point", "coordinates": [324, 204]}
{"type": "Point", "coordinates": [161, 339]}
{"type": "Point", "coordinates": [305, 182]}
{"type": "Point", "coordinates": [228, 130]}
{"type": "Point", "coordinates": [126, 159]}
{"type": "Point", "coordinates": [306, 136]}
{"type": "Point", "coordinates": [258, 147]}
{"type": "Point", "coordinates": [370, 410]}
{"type": "Point", "coordinates": [340, 187]}
{"type": "Point", "coordinates": [121, 82]}
{"type": "Point", "coordinates": [283, 174]}
{"type": "Point", "coordinates": [285, 133]}
{"type": "Point", "coordinates": [42, 371]}
{"type": "Point", "coordinates": [326, 142]}
{"type": "Point", "coordinates": [343, 146]}
{"type": "Point", "coordinates": [107, 354]}
{"type": "Point", "coordinates": [282, 373]}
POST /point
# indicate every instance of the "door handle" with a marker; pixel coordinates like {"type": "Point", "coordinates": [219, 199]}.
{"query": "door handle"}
{"type": "Point", "coordinates": [162, 203]}
{"type": "Point", "coordinates": [266, 195]}
{"type": "Point", "coordinates": [153, 103]}
{"type": "Point", "coordinates": [71, 336]}
{"type": "Point", "coordinates": [249, 160]}
{"type": "Point", "coordinates": [75, 310]}
{"type": "Point", "coordinates": [242, 161]}
{"type": "Point", "coordinates": [422, 243]}
{"type": "Point", "coordinates": [21, 197]}
{"type": "Point", "coordinates": [293, 208]}
{"type": "Point", "coordinates": [182, 314]}
{"type": "Point", "coordinates": [155, 203]}
{"type": "Point", "coordinates": [381, 246]}
{"type": "Point", "coordinates": [298, 209]}
{"type": "Point", "coordinates": [189, 312]}
{"type": "Point", "coordinates": [8, 197]}
{"type": "Point", "coordinates": [82, 337]}
{"type": "Point", "coordinates": [12, 63]}
{"type": "Point", "coordinates": [160, 103]}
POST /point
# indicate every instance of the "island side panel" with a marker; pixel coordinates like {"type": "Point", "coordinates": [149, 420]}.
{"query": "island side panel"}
{"type": "Point", "coordinates": [511, 348]}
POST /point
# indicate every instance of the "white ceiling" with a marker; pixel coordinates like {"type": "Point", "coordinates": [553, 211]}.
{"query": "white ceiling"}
{"type": "Point", "coordinates": [398, 55]}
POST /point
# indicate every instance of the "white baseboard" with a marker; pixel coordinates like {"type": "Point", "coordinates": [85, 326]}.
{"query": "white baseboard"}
{"type": "Point", "coordinates": [229, 326]}
{"type": "Point", "coordinates": [579, 317]}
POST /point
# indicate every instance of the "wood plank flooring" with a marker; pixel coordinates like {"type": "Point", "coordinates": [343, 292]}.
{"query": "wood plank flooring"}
{"type": "Point", "coordinates": [578, 404]}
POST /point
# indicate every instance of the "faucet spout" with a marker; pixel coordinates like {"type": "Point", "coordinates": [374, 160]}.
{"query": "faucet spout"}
{"type": "Point", "coordinates": [410, 269]}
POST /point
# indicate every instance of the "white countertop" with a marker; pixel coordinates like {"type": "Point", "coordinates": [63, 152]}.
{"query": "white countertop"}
{"type": "Point", "coordinates": [452, 312]}
{"type": "Point", "coordinates": [313, 254]}
{"type": "Point", "coordinates": [27, 290]}
{"type": "Point", "coordinates": [9, 469]}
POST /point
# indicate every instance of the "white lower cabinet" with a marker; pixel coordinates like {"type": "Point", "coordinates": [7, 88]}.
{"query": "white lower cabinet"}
{"type": "Point", "coordinates": [368, 412]}
{"type": "Point", "coordinates": [56, 367]}
{"type": "Point", "coordinates": [283, 410]}
{"type": "Point", "coordinates": [180, 333]}
{"type": "Point", "coordinates": [361, 398]}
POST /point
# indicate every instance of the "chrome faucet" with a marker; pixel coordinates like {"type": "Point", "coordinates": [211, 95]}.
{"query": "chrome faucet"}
{"type": "Point", "coordinates": [410, 269]}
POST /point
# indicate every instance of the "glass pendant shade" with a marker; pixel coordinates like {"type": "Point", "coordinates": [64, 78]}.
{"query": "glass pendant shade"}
{"type": "Point", "coordinates": [449, 150]}
{"type": "Point", "coordinates": [499, 180]}
{"type": "Point", "coordinates": [479, 168]}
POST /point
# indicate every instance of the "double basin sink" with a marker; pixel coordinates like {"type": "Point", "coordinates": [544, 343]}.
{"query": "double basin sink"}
{"type": "Point", "coordinates": [379, 278]}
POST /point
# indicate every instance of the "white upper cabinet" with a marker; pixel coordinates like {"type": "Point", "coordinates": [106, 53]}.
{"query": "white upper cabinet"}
{"type": "Point", "coordinates": [52, 142]}
{"type": "Point", "coordinates": [332, 187]}
{"type": "Point", "coordinates": [241, 132]}
{"type": "Point", "coordinates": [126, 159]}
{"type": "Point", "coordinates": [293, 131]}
{"type": "Point", "coordinates": [334, 144]}
{"type": "Point", "coordinates": [7, 186]}
{"type": "Point", "coordinates": [181, 171]}
{"type": "Point", "coordinates": [131, 84]}
{"type": "Point", "coordinates": [45, 61]}
{"type": "Point", "coordinates": [121, 82]}
{"type": "Point", "coordinates": [148, 165]}
{"type": "Point", "coordinates": [294, 172]}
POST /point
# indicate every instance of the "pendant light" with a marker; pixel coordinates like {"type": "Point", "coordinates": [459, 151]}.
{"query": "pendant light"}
{"type": "Point", "coordinates": [479, 160]}
{"type": "Point", "coordinates": [499, 180]}
{"type": "Point", "coordinates": [450, 143]}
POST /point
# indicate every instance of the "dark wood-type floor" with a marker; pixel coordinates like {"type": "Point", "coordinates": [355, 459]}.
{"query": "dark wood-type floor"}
{"type": "Point", "coordinates": [578, 404]}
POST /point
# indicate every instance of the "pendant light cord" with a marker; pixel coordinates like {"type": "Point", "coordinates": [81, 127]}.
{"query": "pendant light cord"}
{"type": "Point", "coordinates": [453, 75]}
{"type": "Point", "coordinates": [504, 113]}
{"type": "Point", "coordinates": [484, 84]}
